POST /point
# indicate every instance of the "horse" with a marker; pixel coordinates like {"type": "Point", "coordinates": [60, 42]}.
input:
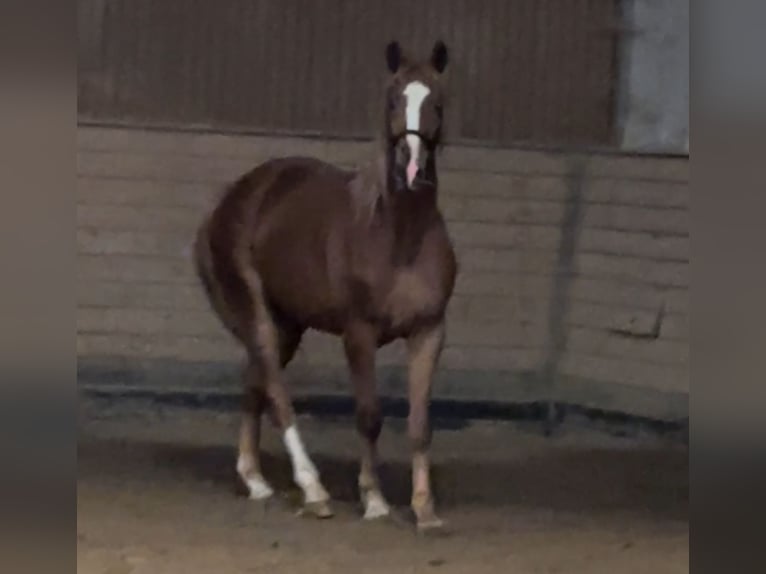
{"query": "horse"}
{"type": "Point", "coordinates": [297, 243]}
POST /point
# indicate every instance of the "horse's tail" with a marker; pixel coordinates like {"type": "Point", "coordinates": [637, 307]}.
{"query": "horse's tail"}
{"type": "Point", "coordinates": [222, 260]}
{"type": "Point", "coordinates": [202, 257]}
{"type": "Point", "coordinates": [207, 269]}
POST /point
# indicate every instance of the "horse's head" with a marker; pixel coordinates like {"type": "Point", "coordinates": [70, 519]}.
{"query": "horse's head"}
{"type": "Point", "coordinates": [414, 115]}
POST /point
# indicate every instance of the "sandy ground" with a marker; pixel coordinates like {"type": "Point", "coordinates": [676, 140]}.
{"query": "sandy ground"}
{"type": "Point", "coordinates": [157, 494]}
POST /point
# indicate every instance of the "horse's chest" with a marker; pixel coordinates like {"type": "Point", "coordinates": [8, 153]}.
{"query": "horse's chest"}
{"type": "Point", "coordinates": [410, 297]}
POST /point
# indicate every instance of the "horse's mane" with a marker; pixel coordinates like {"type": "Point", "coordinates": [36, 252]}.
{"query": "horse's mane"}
{"type": "Point", "coordinates": [368, 185]}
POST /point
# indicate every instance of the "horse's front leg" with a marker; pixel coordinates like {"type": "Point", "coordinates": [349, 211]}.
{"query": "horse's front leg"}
{"type": "Point", "coordinates": [360, 342]}
{"type": "Point", "coordinates": [424, 347]}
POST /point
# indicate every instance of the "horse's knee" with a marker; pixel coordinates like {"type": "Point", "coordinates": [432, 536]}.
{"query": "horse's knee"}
{"type": "Point", "coordinates": [369, 420]}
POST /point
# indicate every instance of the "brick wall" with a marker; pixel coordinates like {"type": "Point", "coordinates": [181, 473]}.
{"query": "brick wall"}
{"type": "Point", "coordinates": [574, 271]}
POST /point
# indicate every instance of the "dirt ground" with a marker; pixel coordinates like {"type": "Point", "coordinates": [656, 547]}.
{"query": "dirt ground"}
{"type": "Point", "coordinates": [157, 494]}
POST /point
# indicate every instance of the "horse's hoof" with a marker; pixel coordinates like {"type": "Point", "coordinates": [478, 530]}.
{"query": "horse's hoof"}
{"type": "Point", "coordinates": [261, 495]}
{"type": "Point", "coordinates": [376, 508]}
{"type": "Point", "coordinates": [262, 504]}
{"type": "Point", "coordinates": [319, 509]}
{"type": "Point", "coordinates": [257, 488]}
{"type": "Point", "coordinates": [432, 527]}
{"type": "Point", "coordinates": [375, 514]}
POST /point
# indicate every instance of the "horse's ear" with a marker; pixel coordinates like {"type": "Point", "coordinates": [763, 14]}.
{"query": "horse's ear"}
{"type": "Point", "coordinates": [439, 56]}
{"type": "Point", "coordinates": [394, 56]}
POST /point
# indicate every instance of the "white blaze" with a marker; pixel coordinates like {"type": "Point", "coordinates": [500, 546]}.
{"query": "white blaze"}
{"type": "Point", "coordinates": [416, 93]}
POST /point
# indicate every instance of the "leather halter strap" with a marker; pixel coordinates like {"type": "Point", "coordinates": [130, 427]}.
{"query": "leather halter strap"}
{"type": "Point", "coordinates": [429, 142]}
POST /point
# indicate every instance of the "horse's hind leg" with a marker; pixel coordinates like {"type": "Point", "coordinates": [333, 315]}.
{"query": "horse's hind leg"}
{"type": "Point", "coordinates": [360, 346]}
{"type": "Point", "coordinates": [255, 402]}
{"type": "Point", "coordinates": [265, 351]}
{"type": "Point", "coordinates": [235, 292]}
{"type": "Point", "coordinates": [249, 459]}
{"type": "Point", "coordinates": [220, 295]}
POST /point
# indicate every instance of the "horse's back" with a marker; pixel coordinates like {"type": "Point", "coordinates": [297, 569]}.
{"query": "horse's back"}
{"type": "Point", "coordinates": [285, 180]}
{"type": "Point", "coordinates": [279, 196]}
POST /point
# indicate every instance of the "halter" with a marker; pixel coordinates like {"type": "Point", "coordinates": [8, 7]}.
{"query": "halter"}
{"type": "Point", "coordinates": [430, 143]}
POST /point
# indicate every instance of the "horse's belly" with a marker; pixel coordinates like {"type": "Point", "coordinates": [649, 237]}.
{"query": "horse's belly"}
{"type": "Point", "coordinates": [300, 282]}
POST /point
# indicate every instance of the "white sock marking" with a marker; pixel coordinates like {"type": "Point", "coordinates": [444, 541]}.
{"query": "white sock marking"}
{"type": "Point", "coordinates": [304, 471]}
{"type": "Point", "coordinates": [375, 506]}
{"type": "Point", "coordinates": [416, 93]}
{"type": "Point", "coordinates": [257, 486]}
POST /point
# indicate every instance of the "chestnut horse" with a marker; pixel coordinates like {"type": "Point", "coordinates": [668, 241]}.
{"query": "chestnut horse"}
{"type": "Point", "coordinates": [299, 244]}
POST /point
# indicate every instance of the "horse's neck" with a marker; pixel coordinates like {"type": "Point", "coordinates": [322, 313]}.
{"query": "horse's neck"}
{"type": "Point", "coordinates": [410, 216]}
{"type": "Point", "coordinates": [407, 215]}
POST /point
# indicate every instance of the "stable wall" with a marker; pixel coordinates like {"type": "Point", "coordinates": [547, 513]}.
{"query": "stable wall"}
{"type": "Point", "coordinates": [574, 278]}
